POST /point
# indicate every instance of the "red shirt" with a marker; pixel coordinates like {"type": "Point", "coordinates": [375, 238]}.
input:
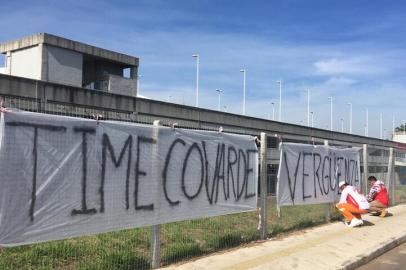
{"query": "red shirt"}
{"type": "Point", "coordinates": [379, 193]}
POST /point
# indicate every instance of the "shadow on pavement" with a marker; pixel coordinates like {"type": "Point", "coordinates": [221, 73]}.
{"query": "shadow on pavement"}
{"type": "Point", "coordinates": [368, 223]}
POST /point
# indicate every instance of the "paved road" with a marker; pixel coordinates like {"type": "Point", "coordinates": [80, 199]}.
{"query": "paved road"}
{"type": "Point", "coordinates": [394, 259]}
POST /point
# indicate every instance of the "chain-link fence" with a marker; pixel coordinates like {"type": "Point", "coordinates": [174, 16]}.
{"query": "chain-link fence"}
{"type": "Point", "coordinates": [400, 176]}
{"type": "Point", "coordinates": [131, 249]}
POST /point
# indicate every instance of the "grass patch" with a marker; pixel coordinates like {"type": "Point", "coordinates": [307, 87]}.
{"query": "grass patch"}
{"type": "Point", "coordinates": [121, 261]}
{"type": "Point", "coordinates": [400, 194]}
{"type": "Point", "coordinates": [130, 249]}
{"type": "Point", "coordinates": [177, 251]}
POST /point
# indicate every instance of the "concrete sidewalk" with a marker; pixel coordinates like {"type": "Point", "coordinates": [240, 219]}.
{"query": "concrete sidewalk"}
{"type": "Point", "coordinates": [331, 246]}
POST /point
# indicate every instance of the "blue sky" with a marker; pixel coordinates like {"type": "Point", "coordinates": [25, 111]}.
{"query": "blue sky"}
{"type": "Point", "coordinates": [354, 51]}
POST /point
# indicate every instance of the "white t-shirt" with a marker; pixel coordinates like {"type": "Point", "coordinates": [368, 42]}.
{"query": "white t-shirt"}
{"type": "Point", "coordinates": [351, 195]}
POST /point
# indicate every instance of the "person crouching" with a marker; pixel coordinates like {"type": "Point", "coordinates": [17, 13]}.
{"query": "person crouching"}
{"type": "Point", "coordinates": [352, 204]}
{"type": "Point", "coordinates": [378, 197]}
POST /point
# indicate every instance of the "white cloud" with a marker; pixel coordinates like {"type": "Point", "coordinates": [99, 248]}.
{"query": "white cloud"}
{"type": "Point", "coordinates": [351, 66]}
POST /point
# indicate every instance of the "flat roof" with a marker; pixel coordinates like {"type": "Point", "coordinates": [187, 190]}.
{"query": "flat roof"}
{"type": "Point", "coordinates": [65, 43]}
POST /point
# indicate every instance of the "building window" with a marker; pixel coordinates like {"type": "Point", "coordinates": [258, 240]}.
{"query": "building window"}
{"type": "Point", "coordinates": [272, 172]}
{"type": "Point", "coordinates": [272, 168]}
{"type": "Point", "coordinates": [271, 142]}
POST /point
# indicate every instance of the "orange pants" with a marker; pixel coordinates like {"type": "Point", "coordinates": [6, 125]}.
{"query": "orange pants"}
{"type": "Point", "coordinates": [349, 211]}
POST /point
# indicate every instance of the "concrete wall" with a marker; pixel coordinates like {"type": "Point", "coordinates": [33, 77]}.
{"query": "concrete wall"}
{"type": "Point", "coordinates": [400, 137]}
{"type": "Point", "coordinates": [122, 86]}
{"type": "Point", "coordinates": [64, 66]}
{"type": "Point", "coordinates": [19, 63]}
{"type": "Point", "coordinates": [201, 118]}
{"type": "Point", "coordinates": [48, 39]}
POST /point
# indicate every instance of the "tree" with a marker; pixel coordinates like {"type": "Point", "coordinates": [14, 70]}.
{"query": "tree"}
{"type": "Point", "coordinates": [400, 128]}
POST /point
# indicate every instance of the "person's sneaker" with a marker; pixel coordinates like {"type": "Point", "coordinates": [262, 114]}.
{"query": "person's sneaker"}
{"type": "Point", "coordinates": [346, 222]}
{"type": "Point", "coordinates": [383, 213]}
{"type": "Point", "coordinates": [355, 222]}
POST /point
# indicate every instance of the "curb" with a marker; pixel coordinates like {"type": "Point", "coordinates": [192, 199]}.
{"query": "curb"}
{"type": "Point", "coordinates": [367, 257]}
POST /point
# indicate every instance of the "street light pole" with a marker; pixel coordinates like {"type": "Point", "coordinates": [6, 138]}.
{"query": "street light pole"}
{"type": "Point", "coordinates": [244, 71]}
{"type": "Point", "coordinates": [308, 107]}
{"type": "Point", "coordinates": [312, 114]}
{"type": "Point", "coordinates": [280, 99]}
{"type": "Point", "coordinates": [273, 111]}
{"type": "Point", "coordinates": [380, 126]}
{"type": "Point", "coordinates": [349, 103]}
{"type": "Point", "coordinates": [197, 77]}
{"type": "Point", "coordinates": [138, 84]}
{"type": "Point", "coordinates": [366, 123]}
{"type": "Point", "coordinates": [219, 91]}
{"type": "Point", "coordinates": [342, 125]}
{"type": "Point", "coordinates": [331, 113]}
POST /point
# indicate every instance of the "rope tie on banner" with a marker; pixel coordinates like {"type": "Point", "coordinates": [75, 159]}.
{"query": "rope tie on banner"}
{"type": "Point", "coordinates": [278, 210]}
{"type": "Point", "coordinates": [173, 125]}
{"type": "Point", "coordinates": [280, 140]}
{"type": "Point", "coordinates": [97, 117]}
{"type": "Point", "coordinates": [257, 141]}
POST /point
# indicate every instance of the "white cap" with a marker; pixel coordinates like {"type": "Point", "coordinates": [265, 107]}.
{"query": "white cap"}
{"type": "Point", "coordinates": [342, 183]}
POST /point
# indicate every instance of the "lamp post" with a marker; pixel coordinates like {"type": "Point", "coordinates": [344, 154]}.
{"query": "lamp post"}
{"type": "Point", "coordinates": [331, 113]}
{"type": "Point", "coordinates": [312, 115]}
{"type": "Point", "coordinates": [349, 103]}
{"type": "Point", "coordinates": [308, 107]}
{"type": "Point", "coordinates": [280, 99]}
{"type": "Point", "coordinates": [342, 125]}
{"type": "Point", "coordinates": [244, 71]}
{"type": "Point", "coordinates": [219, 91]}
{"type": "Point", "coordinates": [273, 111]}
{"type": "Point", "coordinates": [380, 126]}
{"type": "Point", "coordinates": [197, 77]}
{"type": "Point", "coordinates": [366, 122]}
{"type": "Point", "coordinates": [138, 84]}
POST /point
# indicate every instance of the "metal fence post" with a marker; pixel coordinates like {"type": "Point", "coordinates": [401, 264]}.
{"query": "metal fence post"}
{"type": "Point", "coordinates": [391, 178]}
{"type": "Point", "coordinates": [327, 206]}
{"type": "Point", "coordinates": [155, 229]}
{"type": "Point", "coordinates": [364, 183]}
{"type": "Point", "coordinates": [263, 189]}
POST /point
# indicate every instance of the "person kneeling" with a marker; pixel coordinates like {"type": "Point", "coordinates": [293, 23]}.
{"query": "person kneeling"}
{"type": "Point", "coordinates": [352, 204]}
{"type": "Point", "coordinates": [378, 197]}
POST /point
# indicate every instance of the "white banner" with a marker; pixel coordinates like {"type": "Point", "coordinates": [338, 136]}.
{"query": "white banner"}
{"type": "Point", "coordinates": [310, 174]}
{"type": "Point", "coordinates": [63, 177]}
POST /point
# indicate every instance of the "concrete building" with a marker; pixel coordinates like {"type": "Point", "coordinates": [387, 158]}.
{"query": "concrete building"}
{"type": "Point", "coordinates": [399, 136]}
{"type": "Point", "coordinates": [59, 60]}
